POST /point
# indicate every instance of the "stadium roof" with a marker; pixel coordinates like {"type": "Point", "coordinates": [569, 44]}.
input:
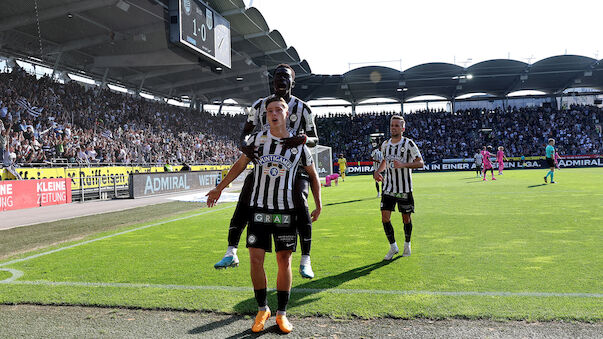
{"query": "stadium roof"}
{"type": "Point", "coordinates": [126, 41]}
{"type": "Point", "coordinates": [496, 78]}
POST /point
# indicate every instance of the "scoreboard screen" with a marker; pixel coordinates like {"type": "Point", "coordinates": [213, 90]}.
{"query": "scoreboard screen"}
{"type": "Point", "coordinates": [196, 26]}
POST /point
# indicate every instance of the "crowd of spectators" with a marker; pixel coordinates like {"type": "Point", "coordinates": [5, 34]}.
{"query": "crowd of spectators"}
{"type": "Point", "coordinates": [45, 121]}
{"type": "Point", "coordinates": [445, 135]}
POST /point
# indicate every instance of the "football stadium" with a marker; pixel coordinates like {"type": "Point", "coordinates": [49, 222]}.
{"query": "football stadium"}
{"type": "Point", "coordinates": [174, 168]}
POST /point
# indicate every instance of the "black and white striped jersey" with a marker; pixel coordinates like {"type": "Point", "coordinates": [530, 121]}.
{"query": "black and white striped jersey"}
{"type": "Point", "coordinates": [377, 158]}
{"type": "Point", "coordinates": [300, 119]}
{"type": "Point", "coordinates": [398, 180]}
{"type": "Point", "coordinates": [275, 170]}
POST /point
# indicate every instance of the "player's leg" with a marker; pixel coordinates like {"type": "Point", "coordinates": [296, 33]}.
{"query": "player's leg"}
{"type": "Point", "coordinates": [387, 206]}
{"type": "Point", "coordinates": [283, 289]}
{"type": "Point", "coordinates": [553, 175]}
{"type": "Point", "coordinates": [304, 224]}
{"type": "Point", "coordinates": [237, 225]}
{"type": "Point", "coordinates": [492, 173]}
{"type": "Point", "coordinates": [484, 170]}
{"type": "Point", "coordinates": [407, 206]}
{"type": "Point", "coordinates": [259, 241]}
{"type": "Point", "coordinates": [285, 242]}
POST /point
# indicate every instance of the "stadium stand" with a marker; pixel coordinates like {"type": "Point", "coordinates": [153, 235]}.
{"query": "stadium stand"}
{"type": "Point", "coordinates": [51, 122]}
{"type": "Point", "coordinates": [441, 135]}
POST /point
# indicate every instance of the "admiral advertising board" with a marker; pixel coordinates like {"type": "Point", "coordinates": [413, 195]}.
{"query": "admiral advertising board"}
{"type": "Point", "coordinates": [149, 184]}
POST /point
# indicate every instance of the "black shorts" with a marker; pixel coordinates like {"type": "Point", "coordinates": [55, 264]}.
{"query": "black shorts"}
{"type": "Point", "coordinates": [478, 167]}
{"type": "Point", "coordinates": [405, 201]}
{"type": "Point", "coordinates": [550, 162]}
{"type": "Point", "coordinates": [265, 225]}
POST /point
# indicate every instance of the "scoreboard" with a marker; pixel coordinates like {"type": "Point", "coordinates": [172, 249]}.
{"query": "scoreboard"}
{"type": "Point", "coordinates": [197, 27]}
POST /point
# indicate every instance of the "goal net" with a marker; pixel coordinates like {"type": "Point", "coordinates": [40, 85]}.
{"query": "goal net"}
{"type": "Point", "coordinates": [323, 160]}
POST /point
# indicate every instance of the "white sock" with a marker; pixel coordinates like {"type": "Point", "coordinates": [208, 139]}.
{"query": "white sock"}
{"type": "Point", "coordinates": [305, 260]}
{"type": "Point", "coordinates": [407, 243]}
{"type": "Point", "coordinates": [281, 312]}
{"type": "Point", "coordinates": [394, 245]}
{"type": "Point", "coordinates": [263, 308]}
{"type": "Point", "coordinates": [231, 251]}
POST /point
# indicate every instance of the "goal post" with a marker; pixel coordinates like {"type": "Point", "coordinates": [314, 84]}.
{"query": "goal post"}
{"type": "Point", "coordinates": [323, 160]}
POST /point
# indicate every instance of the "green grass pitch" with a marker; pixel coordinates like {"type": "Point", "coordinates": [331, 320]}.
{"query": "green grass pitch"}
{"type": "Point", "coordinates": [514, 248]}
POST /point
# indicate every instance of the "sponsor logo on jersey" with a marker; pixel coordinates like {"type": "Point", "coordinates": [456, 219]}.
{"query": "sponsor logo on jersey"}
{"type": "Point", "coordinates": [275, 158]}
{"type": "Point", "coordinates": [267, 218]}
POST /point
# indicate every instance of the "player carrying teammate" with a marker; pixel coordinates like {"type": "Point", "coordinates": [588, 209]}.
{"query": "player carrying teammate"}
{"type": "Point", "coordinates": [487, 163]}
{"type": "Point", "coordinates": [549, 154]}
{"type": "Point", "coordinates": [400, 156]}
{"type": "Point", "coordinates": [342, 166]}
{"type": "Point", "coordinates": [500, 158]}
{"type": "Point", "coordinates": [376, 158]}
{"type": "Point", "coordinates": [300, 122]}
{"type": "Point", "coordinates": [273, 208]}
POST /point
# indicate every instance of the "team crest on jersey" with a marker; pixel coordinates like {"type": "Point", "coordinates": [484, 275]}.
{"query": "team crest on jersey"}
{"type": "Point", "coordinates": [294, 151]}
{"type": "Point", "coordinates": [293, 118]}
{"type": "Point", "coordinates": [274, 171]}
{"type": "Point", "coordinates": [263, 139]}
{"type": "Point", "coordinates": [251, 239]}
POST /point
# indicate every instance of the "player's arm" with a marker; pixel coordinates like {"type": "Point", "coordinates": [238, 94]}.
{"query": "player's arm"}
{"type": "Point", "coordinates": [417, 163]}
{"type": "Point", "coordinates": [315, 186]}
{"type": "Point", "coordinates": [309, 137]}
{"type": "Point", "coordinates": [233, 173]}
{"type": "Point", "coordinates": [377, 174]}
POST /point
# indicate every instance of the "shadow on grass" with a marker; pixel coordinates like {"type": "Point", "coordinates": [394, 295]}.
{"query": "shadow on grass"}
{"type": "Point", "coordinates": [532, 186]}
{"type": "Point", "coordinates": [300, 295]}
{"type": "Point", "coordinates": [348, 201]}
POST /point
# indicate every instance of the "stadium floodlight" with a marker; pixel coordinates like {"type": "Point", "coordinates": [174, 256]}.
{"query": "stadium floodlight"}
{"type": "Point", "coordinates": [469, 76]}
{"type": "Point", "coordinates": [399, 89]}
{"type": "Point", "coordinates": [239, 78]}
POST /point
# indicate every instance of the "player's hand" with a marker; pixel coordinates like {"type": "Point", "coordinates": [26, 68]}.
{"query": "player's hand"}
{"type": "Point", "coordinates": [212, 197]}
{"type": "Point", "coordinates": [294, 141]}
{"type": "Point", "coordinates": [315, 214]}
{"type": "Point", "coordinates": [398, 164]}
{"type": "Point", "coordinates": [377, 176]}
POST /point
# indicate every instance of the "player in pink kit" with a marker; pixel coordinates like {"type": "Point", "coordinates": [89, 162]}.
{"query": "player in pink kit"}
{"type": "Point", "coordinates": [332, 177]}
{"type": "Point", "coordinates": [500, 157]}
{"type": "Point", "coordinates": [487, 164]}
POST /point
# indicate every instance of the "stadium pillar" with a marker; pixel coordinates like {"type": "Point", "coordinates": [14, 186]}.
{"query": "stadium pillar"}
{"type": "Point", "coordinates": [402, 108]}
{"type": "Point", "coordinates": [56, 65]}
{"type": "Point", "coordinates": [220, 109]}
{"type": "Point", "coordinates": [104, 82]}
{"type": "Point", "coordinates": [353, 109]}
{"type": "Point", "coordinates": [452, 104]}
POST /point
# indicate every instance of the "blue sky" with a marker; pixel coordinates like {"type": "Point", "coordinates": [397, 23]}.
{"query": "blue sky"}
{"type": "Point", "coordinates": [331, 34]}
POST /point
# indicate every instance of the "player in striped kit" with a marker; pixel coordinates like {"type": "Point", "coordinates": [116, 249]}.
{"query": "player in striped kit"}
{"type": "Point", "coordinates": [272, 206]}
{"type": "Point", "coordinates": [300, 122]}
{"type": "Point", "coordinates": [400, 156]}
{"type": "Point", "coordinates": [376, 158]}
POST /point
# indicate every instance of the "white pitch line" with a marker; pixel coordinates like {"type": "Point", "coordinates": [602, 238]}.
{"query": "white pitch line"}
{"type": "Point", "coordinates": [109, 236]}
{"type": "Point", "coordinates": [311, 290]}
